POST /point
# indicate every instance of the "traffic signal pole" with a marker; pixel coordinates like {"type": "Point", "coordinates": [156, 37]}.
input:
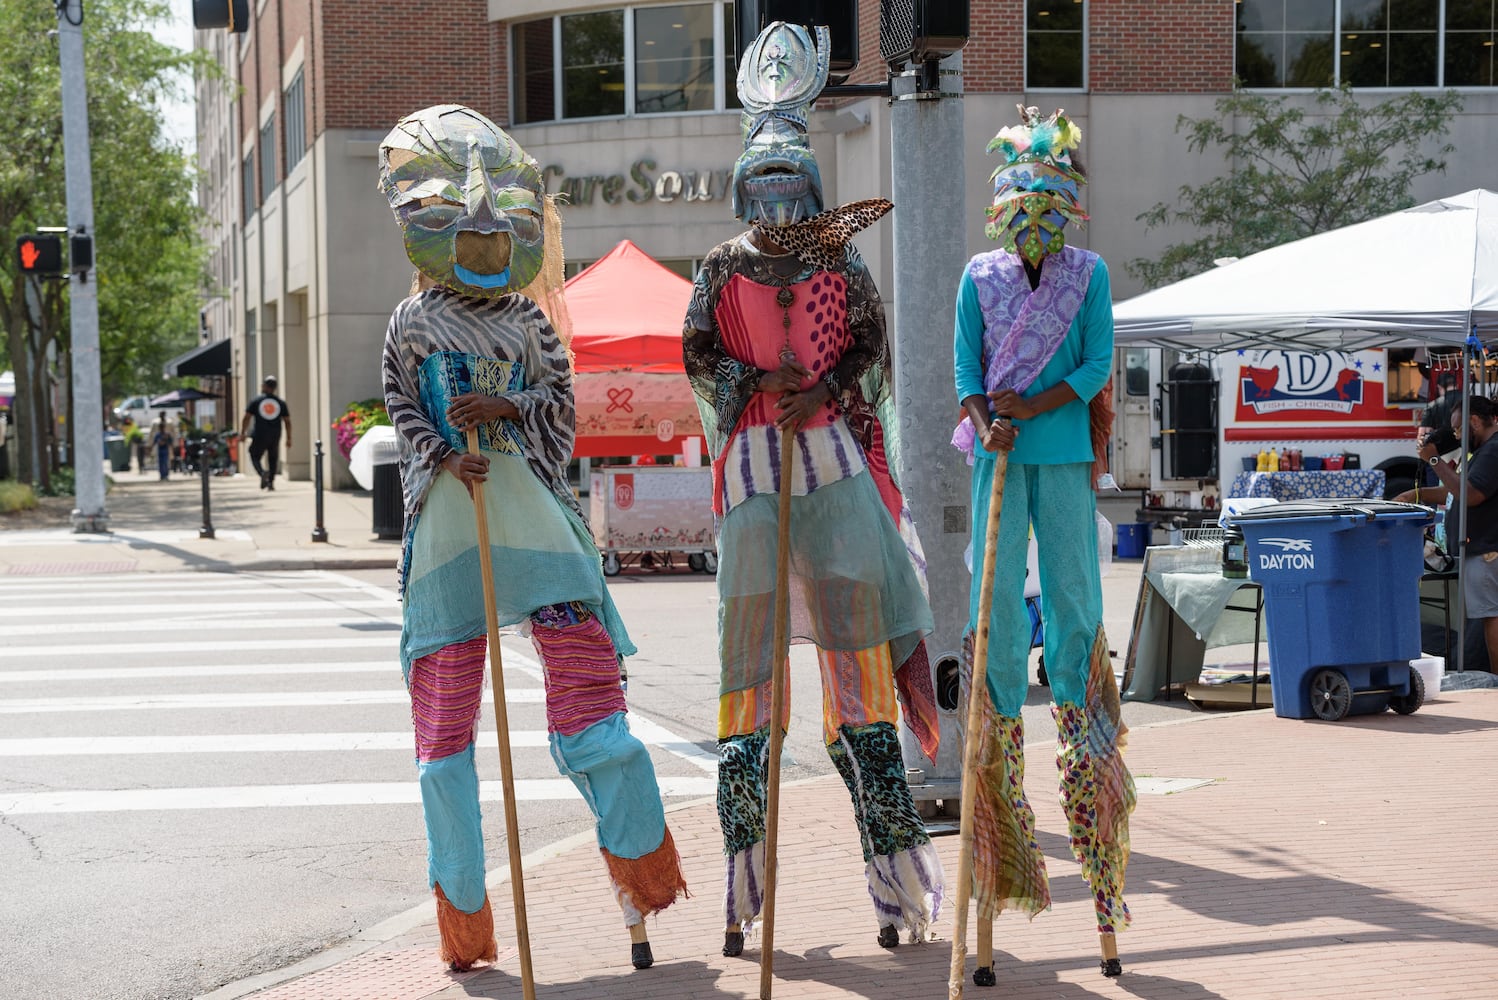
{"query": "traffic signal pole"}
{"type": "Point", "coordinates": [930, 233]}
{"type": "Point", "coordinates": [88, 405]}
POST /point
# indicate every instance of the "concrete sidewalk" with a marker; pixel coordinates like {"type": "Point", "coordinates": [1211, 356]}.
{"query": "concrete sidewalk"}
{"type": "Point", "coordinates": [155, 527]}
{"type": "Point", "coordinates": [1272, 858]}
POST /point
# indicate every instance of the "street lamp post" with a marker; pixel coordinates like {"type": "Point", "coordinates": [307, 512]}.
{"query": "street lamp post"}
{"type": "Point", "coordinates": [319, 533]}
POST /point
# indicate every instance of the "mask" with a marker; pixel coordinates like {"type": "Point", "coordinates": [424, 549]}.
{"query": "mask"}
{"type": "Point", "coordinates": [469, 201]}
{"type": "Point", "coordinates": [776, 179]}
{"type": "Point", "coordinates": [1036, 188]}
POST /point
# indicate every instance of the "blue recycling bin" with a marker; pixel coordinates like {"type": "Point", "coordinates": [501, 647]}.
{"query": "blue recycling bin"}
{"type": "Point", "coordinates": [1341, 581]}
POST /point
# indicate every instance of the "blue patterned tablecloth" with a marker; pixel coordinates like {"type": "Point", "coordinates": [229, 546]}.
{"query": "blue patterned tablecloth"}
{"type": "Point", "coordinates": [1360, 483]}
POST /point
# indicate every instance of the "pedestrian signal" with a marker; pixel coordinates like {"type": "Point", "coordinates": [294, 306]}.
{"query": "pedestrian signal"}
{"type": "Point", "coordinates": [231, 14]}
{"type": "Point", "coordinates": [40, 254]}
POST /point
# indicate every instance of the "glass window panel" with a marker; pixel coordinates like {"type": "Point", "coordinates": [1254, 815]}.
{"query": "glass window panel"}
{"type": "Point", "coordinates": [1368, 64]}
{"type": "Point", "coordinates": [1136, 372]}
{"type": "Point", "coordinates": [1261, 15]}
{"type": "Point", "coordinates": [1259, 55]}
{"type": "Point", "coordinates": [296, 122]}
{"type": "Point", "coordinates": [1365, 15]}
{"type": "Point", "coordinates": [1469, 59]}
{"type": "Point", "coordinates": [1414, 15]}
{"type": "Point", "coordinates": [1468, 15]}
{"type": "Point", "coordinates": [1308, 60]}
{"type": "Point", "coordinates": [1412, 59]}
{"type": "Point", "coordinates": [730, 59]}
{"type": "Point", "coordinates": [1053, 15]}
{"type": "Point", "coordinates": [1053, 44]}
{"type": "Point", "coordinates": [534, 78]}
{"type": "Point", "coordinates": [1311, 15]}
{"type": "Point", "coordinates": [268, 176]}
{"type": "Point", "coordinates": [247, 189]}
{"type": "Point", "coordinates": [1053, 59]}
{"type": "Point", "coordinates": [674, 59]}
{"type": "Point", "coordinates": [593, 64]}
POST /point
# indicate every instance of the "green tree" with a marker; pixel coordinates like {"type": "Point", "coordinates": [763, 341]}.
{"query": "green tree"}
{"type": "Point", "coordinates": [149, 255]}
{"type": "Point", "coordinates": [1296, 171]}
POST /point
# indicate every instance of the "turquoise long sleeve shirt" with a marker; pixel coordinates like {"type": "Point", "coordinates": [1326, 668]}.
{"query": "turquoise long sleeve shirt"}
{"type": "Point", "coordinates": [1084, 360]}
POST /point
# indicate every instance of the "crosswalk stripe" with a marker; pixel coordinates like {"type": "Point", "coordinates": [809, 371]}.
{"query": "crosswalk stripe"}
{"type": "Point", "coordinates": [79, 591]}
{"type": "Point", "coordinates": [99, 613]}
{"type": "Point", "coordinates": [249, 699]}
{"type": "Point", "coordinates": [282, 796]}
{"type": "Point", "coordinates": [183, 618]}
{"type": "Point", "coordinates": [194, 646]}
{"type": "Point", "coordinates": [119, 746]}
{"type": "Point", "coordinates": [65, 674]}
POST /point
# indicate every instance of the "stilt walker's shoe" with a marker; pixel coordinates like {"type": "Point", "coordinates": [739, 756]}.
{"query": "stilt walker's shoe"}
{"type": "Point", "coordinates": [1112, 967]}
{"type": "Point", "coordinates": [889, 936]}
{"type": "Point", "coordinates": [640, 955]}
{"type": "Point", "coordinates": [984, 977]}
{"type": "Point", "coordinates": [733, 944]}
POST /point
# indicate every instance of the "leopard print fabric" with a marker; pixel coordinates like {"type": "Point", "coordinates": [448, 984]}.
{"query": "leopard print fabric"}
{"type": "Point", "coordinates": [821, 240]}
{"type": "Point", "coordinates": [868, 759]}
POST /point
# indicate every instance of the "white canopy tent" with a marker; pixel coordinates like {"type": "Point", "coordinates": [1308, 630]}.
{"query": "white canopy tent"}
{"type": "Point", "coordinates": [1425, 276]}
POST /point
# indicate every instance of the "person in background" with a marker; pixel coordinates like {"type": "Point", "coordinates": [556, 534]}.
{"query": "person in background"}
{"type": "Point", "coordinates": [1479, 548]}
{"type": "Point", "coordinates": [162, 440]}
{"type": "Point", "coordinates": [269, 413]}
{"type": "Point", "coordinates": [1435, 422]}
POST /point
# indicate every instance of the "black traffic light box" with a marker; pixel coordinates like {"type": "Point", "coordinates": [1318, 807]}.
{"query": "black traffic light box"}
{"type": "Point", "coordinates": [40, 254]}
{"type": "Point", "coordinates": [840, 17]}
{"type": "Point", "coordinates": [231, 14]}
{"type": "Point", "coordinates": [920, 31]}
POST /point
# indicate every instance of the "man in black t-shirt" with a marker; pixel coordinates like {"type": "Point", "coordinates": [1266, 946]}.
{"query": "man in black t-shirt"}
{"type": "Point", "coordinates": [1480, 544]}
{"type": "Point", "coordinates": [268, 412]}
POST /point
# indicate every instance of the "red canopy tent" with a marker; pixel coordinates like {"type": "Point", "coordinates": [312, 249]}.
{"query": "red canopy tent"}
{"type": "Point", "coordinates": [633, 397]}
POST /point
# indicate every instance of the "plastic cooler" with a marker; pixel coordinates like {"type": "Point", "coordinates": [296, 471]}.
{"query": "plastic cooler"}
{"type": "Point", "coordinates": [1341, 581]}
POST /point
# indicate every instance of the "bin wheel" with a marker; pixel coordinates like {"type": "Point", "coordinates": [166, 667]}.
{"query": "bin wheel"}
{"type": "Point", "coordinates": [611, 565]}
{"type": "Point", "coordinates": [696, 562]}
{"type": "Point", "coordinates": [710, 562]}
{"type": "Point", "coordinates": [1407, 704]}
{"type": "Point", "coordinates": [1040, 674]}
{"type": "Point", "coordinates": [1331, 695]}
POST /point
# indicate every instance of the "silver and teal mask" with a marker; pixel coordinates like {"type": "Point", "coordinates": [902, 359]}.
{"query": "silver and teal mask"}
{"type": "Point", "coordinates": [469, 201]}
{"type": "Point", "coordinates": [776, 180]}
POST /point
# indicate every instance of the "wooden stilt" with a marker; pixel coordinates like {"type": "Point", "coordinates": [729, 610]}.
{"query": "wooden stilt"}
{"type": "Point", "coordinates": [1112, 967]}
{"type": "Point", "coordinates": [638, 933]}
{"type": "Point", "coordinates": [502, 727]}
{"type": "Point", "coordinates": [977, 693]}
{"type": "Point", "coordinates": [985, 943]}
{"type": "Point", "coordinates": [779, 678]}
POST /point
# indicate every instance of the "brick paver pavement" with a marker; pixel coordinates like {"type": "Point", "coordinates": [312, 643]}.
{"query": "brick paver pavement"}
{"type": "Point", "coordinates": [1352, 859]}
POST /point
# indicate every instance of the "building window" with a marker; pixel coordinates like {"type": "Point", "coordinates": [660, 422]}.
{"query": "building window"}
{"type": "Point", "coordinates": [1054, 34]}
{"type": "Point", "coordinates": [268, 158]}
{"type": "Point", "coordinates": [1471, 31]}
{"type": "Point", "coordinates": [535, 82]}
{"type": "Point", "coordinates": [296, 122]}
{"type": "Point", "coordinates": [624, 62]}
{"type": "Point", "coordinates": [247, 175]}
{"type": "Point", "coordinates": [674, 59]}
{"type": "Point", "coordinates": [1366, 43]}
{"type": "Point", "coordinates": [1286, 43]}
{"type": "Point", "coordinates": [593, 64]}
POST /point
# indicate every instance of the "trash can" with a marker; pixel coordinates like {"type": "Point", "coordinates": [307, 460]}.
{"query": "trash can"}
{"type": "Point", "coordinates": [1341, 581]}
{"type": "Point", "coordinates": [118, 451]}
{"type": "Point", "coordinates": [1132, 540]}
{"type": "Point", "coordinates": [389, 508]}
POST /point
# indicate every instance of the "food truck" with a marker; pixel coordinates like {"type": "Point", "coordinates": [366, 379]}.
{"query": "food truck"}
{"type": "Point", "coordinates": [1188, 425]}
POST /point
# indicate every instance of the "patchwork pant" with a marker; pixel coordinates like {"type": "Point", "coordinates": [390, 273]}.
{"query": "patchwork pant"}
{"type": "Point", "coordinates": [860, 719]}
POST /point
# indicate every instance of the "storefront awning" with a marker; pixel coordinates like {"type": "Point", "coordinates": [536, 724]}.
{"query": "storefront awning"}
{"type": "Point", "coordinates": [209, 359]}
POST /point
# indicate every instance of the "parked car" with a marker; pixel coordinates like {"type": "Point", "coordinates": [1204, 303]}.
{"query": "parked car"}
{"type": "Point", "coordinates": [139, 410]}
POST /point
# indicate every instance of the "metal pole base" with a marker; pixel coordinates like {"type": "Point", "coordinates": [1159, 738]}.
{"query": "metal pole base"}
{"type": "Point", "coordinates": [97, 524]}
{"type": "Point", "coordinates": [319, 534]}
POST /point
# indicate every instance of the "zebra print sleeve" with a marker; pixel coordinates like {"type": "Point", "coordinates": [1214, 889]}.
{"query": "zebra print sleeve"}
{"type": "Point", "coordinates": [400, 371]}
{"type": "Point", "coordinates": [548, 414]}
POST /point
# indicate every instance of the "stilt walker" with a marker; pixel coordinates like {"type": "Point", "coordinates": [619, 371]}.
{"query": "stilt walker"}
{"type": "Point", "coordinates": [785, 331]}
{"type": "Point", "coordinates": [479, 349]}
{"type": "Point", "coordinates": [1034, 343]}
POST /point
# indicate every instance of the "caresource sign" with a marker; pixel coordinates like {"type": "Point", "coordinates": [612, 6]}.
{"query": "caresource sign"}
{"type": "Point", "coordinates": [642, 182]}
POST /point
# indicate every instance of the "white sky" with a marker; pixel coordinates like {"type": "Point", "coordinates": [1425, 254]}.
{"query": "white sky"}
{"type": "Point", "coordinates": [181, 117]}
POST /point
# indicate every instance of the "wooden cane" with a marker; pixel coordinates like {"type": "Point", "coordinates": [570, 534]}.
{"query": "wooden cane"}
{"type": "Point", "coordinates": [976, 694]}
{"type": "Point", "coordinates": [502, 725]}
{"type": "Point", "coordinates": [778, 680]}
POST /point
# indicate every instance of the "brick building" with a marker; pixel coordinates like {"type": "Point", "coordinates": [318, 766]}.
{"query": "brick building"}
{"type": "Point", "coordinates": [630, 108]}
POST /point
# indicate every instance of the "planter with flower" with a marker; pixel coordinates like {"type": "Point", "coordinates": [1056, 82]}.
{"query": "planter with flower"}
{"type": "Point", "coordinates": [358, 418]}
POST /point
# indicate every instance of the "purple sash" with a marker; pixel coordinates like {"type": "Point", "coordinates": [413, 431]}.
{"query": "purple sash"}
{"type": "Point", "coordinates": [1022, 329]}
